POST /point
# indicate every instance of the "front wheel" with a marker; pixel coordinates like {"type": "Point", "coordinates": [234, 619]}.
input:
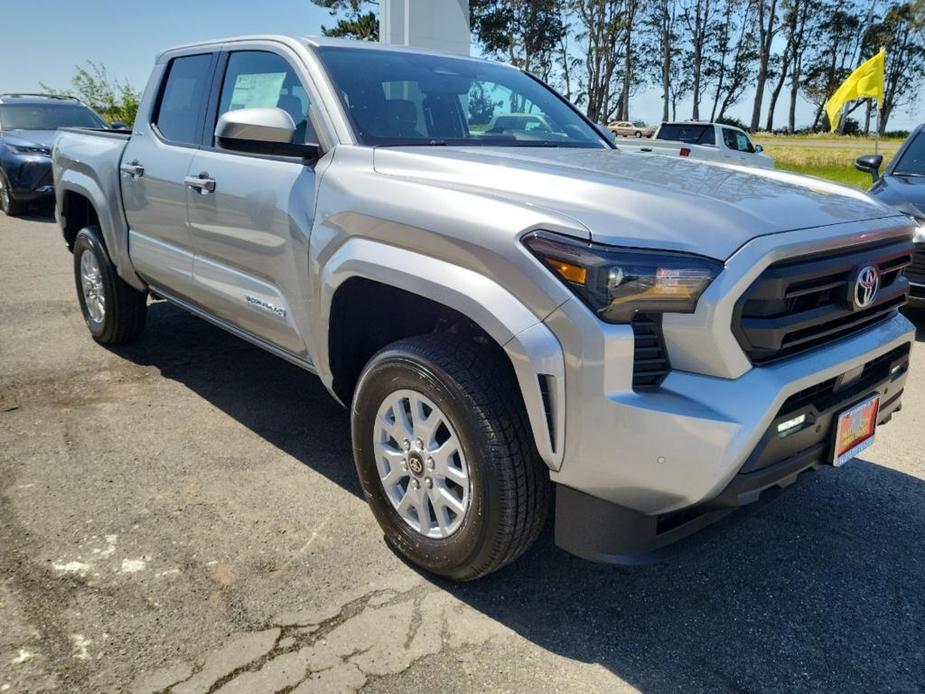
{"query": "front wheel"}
{"type": "Point", "coordinates": [638, 134]}
{"type": "Point", "coordinates": [113, 310]}
{"type": "Point", "coordinates": [445, 456]}
{"type": "Point", "coordinates": [10, 205]}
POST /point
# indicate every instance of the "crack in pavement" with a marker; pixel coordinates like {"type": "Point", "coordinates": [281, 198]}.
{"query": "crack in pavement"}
{"type": "Point", "coordinates": [342, 647]}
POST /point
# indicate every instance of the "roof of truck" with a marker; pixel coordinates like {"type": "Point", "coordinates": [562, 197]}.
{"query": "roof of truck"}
{"type": "Point", "coordinates": [314, 42]}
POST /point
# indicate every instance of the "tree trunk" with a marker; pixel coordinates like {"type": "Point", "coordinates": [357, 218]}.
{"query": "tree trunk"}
{"type": "Point", "coordinates": [627, 71]}
{"type": "Point", "coordinates": [794, 92]}
{"type": "Point", "coordinates": [701, 14]}
{"type": "Point", "coordinates": [666, 57]}
{"type": "Point", "coordinates": [766, 33]}
{"type": "Point", "coordinates": [775, 93]}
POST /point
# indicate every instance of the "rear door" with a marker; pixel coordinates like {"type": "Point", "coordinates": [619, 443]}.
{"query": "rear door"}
{"type": "Point", "coordinates": [153, 168]}
{"type": "Point", "coordinates": [251, 231]}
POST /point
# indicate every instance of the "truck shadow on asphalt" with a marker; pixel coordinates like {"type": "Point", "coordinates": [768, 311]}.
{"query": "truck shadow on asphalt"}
{"type": "Point", "coordinates": [820, 590]}
{"type": "Point", "coordinates": [283, 404]}
{"type": "Point", "coordinates": [39, 213]}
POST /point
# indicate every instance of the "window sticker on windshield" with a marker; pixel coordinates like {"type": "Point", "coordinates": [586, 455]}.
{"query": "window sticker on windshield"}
{"type": "Point", "coordinates": [257, 91]}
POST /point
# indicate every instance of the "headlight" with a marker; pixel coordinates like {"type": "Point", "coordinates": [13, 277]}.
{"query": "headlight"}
{"type": "Point", "coordinates": [27, 149]}
{"type": "Point", "coordinates": [617, 283]}
{"type": "Point", "coordinates": [919, 235]}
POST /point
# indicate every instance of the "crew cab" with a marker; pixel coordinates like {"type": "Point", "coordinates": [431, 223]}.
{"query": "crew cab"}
{"type": "Point", "coordinates": [659, 340]}
{"type": "Point", "coordinates": [707, 141]}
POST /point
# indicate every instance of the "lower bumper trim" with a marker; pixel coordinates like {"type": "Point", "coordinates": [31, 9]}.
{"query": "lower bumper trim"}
{"type": "Point", "coordinates": [602, 531]}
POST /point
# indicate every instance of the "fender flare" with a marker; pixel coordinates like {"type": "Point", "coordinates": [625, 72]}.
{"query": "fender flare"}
{"type": "Point", "coordinates": [534, 352]}
{"type": "Point", "coordinates": [112, 225]}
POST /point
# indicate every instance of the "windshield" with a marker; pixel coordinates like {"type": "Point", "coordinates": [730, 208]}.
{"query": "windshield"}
{"type": "Point", "coordinates": [398, 98]}
{"type": "Point", "coordinates": [912, 160]}
{"type": "Point", "coordinates": [47, 117]}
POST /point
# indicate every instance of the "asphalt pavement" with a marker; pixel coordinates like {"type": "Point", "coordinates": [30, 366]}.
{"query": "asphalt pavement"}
{"type": "Point", "coordinates": [182, 514]}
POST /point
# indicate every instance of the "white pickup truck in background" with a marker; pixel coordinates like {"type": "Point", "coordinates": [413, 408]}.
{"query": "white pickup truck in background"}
{"type": "Point", "coordinates": [707, 141]}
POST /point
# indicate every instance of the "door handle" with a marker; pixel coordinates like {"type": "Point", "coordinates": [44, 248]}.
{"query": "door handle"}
{"type": "Point", "coordinates": [133, 169]}
{"type": "Point", "coordinates": [203, 183]}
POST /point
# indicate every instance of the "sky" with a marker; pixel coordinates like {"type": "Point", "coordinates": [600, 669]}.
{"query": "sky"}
{"type": "Point", "coordinates": [44, 39]}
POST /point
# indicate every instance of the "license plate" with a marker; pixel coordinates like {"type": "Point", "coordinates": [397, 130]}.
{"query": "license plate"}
{"type": "Point", "coordinates": [856, 430]}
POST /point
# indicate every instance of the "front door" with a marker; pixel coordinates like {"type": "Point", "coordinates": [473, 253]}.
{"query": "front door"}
{"type": "Point", "coordinates": [154, 166]}
{"type": "Point", "coordinates": [251, 228]}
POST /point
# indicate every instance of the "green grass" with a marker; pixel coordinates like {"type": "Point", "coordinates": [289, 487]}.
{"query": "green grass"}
{"type": "Point", "coordinates": [826, 156]}
{"type": "Point", "coordinates": [836, 173]}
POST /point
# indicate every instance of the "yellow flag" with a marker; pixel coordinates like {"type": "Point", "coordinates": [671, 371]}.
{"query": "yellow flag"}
{"type": "Point", "coordinates": [866, 81]}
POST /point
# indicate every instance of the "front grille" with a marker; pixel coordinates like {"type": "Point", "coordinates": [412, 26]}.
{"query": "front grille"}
{"type": "Point", "coordinates": [650, 359]}
{"type": "Point", "coordinates": [802, 303]}
{"type": "Point", "coordinates": [916, 271]}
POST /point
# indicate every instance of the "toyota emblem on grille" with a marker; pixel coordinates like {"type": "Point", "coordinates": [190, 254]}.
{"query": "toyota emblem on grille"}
{"type": "Point", "coordinates": [865, 286]}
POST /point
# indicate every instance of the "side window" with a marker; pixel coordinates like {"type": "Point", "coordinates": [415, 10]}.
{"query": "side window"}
{"type": "Point", "coordinates": [743, 143]}
{"type": "Point", "coordinates": [182, 98]}
{"type": "Point", "coordinates": [259, 79]}
{"type": "Point", "coordinates": [729, 137]}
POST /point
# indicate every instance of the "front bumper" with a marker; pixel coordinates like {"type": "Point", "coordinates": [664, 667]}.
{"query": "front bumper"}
{"type": "Point", "coordinates": [599, 530]}
{"type": "Point", "coordinates": [30, 177]}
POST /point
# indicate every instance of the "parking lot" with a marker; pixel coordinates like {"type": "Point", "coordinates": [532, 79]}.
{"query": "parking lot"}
{"type": "Point", "coordinates": [183, 512]}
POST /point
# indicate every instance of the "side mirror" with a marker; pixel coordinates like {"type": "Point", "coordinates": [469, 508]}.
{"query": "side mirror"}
{"type": "Point", "coordinates": [118, 125]}
{"type": "Point", "coordinates": [758, 149]}
{"type": "Point", "coordinates": [870, 163]}
{"type": "Point", "coordinates": [261, 131]}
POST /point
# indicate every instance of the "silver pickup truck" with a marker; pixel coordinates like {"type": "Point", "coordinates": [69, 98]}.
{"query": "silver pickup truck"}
{"type": "Point", "coordinates": [516, 317]}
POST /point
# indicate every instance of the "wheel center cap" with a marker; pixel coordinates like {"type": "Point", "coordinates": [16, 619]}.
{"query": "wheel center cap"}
{"type": "Point", "coordinates": [415, 464]}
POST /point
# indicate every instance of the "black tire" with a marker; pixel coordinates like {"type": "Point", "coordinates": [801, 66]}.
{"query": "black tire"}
{"type": "Point", "coordinates": [10, 205]}
{"type": "Point", "coordinates": [475, 388]}
{"type": "Point", "coordinates": [638, 133]}
{"type": "Point", "coordinates": [125, 306]}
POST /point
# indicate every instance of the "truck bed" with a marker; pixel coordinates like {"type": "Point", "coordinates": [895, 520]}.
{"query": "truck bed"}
{"type": "Point", "coordinates": [88, 160]}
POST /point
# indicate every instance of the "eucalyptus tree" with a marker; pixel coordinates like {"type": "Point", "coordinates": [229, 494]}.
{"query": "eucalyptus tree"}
{"type": "Point", "coordinates": [768, 23]}
{"type": "Point", "coordinates": [698, 17]}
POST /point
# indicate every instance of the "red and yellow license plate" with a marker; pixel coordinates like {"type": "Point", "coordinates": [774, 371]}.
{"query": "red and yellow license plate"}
{"type": "Point", "coordinates": [855, 430]}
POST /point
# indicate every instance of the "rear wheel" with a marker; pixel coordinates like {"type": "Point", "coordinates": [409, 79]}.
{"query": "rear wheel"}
{"type": "Point", "coordinates": [113, 310]}
{"type": "Point", "coordinates": [638, 133]}
{"type": "Point", "coordinates": [445, 456]}
{"type": "Point", "coordinates": [10, 205]}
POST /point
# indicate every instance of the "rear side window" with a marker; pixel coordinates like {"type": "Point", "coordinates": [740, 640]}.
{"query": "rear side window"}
{"type": "Point", "coordinates": [182, 99]}
{"type": "Point", "coordinates": [259, 79]}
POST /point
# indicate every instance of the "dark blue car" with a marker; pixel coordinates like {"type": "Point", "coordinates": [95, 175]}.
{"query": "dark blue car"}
{"type": "Point", "coordinates": [902, 186]}
{"type": "Point", "coordinates": [27, 132]}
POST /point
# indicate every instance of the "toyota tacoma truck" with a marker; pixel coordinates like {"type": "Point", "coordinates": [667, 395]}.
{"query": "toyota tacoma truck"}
{"type": "Point", "coordinates": [519, 322]}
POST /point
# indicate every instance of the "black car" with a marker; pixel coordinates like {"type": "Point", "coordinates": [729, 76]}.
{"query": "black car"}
{"type": "Point", "coordinates": [902, 186]}
{"type": "Point", "coordinates": [27, 131]}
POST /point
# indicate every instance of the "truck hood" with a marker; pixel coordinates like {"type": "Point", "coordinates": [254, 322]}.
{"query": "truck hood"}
{"type": "Point", "coordinates": [649, 202]}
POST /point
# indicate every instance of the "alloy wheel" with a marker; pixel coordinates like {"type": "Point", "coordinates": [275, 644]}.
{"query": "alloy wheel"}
{"type": "Point", "coordinates": [91, 284]}
{"type": "Point", "coordinates": [421, 464]}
